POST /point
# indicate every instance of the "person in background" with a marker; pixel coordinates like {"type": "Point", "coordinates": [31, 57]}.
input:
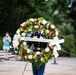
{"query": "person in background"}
{"type": "Point", "coordinates": [15, 45]}
{"type": "Point", "coordinates": [6, 45]}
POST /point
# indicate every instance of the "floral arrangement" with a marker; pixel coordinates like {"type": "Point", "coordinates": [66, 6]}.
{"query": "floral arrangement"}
{"type": "Point", "coordinates": [33, 24]}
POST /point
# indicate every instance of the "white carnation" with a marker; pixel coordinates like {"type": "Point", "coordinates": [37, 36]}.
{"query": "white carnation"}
{"type": "Point", "coordinates": [25, 57]}
{"type": "Point", "coordinates": [52, 26]}
{"type": "Point", "coordinates": [18, 31]}
{"type": "Point", "coordinates": [30, 30]}
{"type": "Point", "coordinates": [56, 33]}
{"type": "Point", "coordinates": [28, 50]}
{"type": "Point", "coordinates": [36, 26]}
{"type": "Point", "coordinates": [30, 56]}
{"type": "Point", "coordinates": [31, 19]}
{"type": "Point", "coordinates": [25, 31]}
{"type": "Point", "coordinates": [23, 34]}
{"type": "Point", "coordinates": [41, 59]}
{"type": "Point", "coordinates": [37, 53]}
{"type": "Point", "coordinates": [44, 22]}
{"type": "Point", "coordinates": [47, 31]}
{"type": "Point", "coordinates": [47, 50]}
{"type": "Point", "coordinates": [24, 43]}
{"type": "Point", "coordinates": [23, 24]}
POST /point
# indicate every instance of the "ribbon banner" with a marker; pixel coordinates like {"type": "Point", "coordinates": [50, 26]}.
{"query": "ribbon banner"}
{"type": "Point", "coordinates": [35, 39]}
{"type": "Point", "coordinates": [55, 43]}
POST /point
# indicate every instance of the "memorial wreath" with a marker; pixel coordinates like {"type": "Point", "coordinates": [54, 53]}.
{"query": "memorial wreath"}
{"type": "Point", "coordinates": [33, 24]}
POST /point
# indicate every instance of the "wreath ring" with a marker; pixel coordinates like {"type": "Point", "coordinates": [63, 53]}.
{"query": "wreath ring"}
{"type": "Point", "coordinates": [33, 24]}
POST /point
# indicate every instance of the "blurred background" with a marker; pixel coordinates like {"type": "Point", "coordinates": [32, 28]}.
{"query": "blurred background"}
{"type": "Point", "coordinates": [62, 13]}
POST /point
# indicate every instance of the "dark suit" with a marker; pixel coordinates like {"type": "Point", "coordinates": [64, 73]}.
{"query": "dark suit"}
{"type": "Point", "coordinates": [38, 46]}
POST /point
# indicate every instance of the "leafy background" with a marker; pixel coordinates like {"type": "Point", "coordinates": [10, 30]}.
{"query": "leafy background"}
{"type": "Point", "coordinates": [59, 12]}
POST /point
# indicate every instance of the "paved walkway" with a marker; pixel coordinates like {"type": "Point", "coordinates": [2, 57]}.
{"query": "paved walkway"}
{"type": "Point", "coordinates": [65, 66]}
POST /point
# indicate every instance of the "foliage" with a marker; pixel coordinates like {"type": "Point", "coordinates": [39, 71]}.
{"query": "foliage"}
{"type": "Point", "coordinates": [69, 46]}
{"type": "Point", "coordinates": [14, 12]}
{"type": "Point", "coordinates": [1, 43]}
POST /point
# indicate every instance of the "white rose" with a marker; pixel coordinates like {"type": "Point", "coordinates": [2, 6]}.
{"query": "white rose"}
{"type": "Point", "coordinates": [24, 43]}
{"type": "Point", "coordinates": [30, 56]}
{"type": "Point", "coordinates": [47, 31]}
{"type": "Point", "coordinates": [41, 59]}
{"type": "Point", "coordinates": [28, 50]}
{"type": "Point", "coordinates": [52, 26]}
{"type": "Point", "coordinates": [26, 57]}
{"type": "Point", "coordinates": [31, 19]}
{"type": "Point", "coordinates": [44, 22]}
{"type": "Point", "coordinates": [25, 31]}
{"type": "Point", "coordinates": [23, 34]}
{"type": "Point", "coordinates": [37, 53]}
{"type": "Point", "coordinates": [18, 31]}
{"type": "Point", "coordinates": [36, 26]}
{"type": "Point", "coordinates": [48, 24]}
{"type": "Point", "coordinates": [56, 33]}
{"type": "Point", "coordinates": [47, 50]}
{"type": "Point", "coordinates": [30, 30]}
{"type": "Point", "coordinates": [23, 24]}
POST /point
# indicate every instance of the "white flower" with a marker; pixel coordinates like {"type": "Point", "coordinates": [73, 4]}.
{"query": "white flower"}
{"type": "Point", "coordinates": [36, 26]}
{"type": "Point", "coordinates": [31, 19]}
{"type": "Point", "coordinates": [23, 24]}
{"type": "Point", "coordinates": [30, 30]}
{"type": "Point", "coordinates": [18, 31]}
{"type": "Point", "coordinates": [41, 31]}
{"type": "Point", "coordinates": [23, 34]}
{"type": "Point", "coordinates": [47, 49]}
{"type": "Point", "coordinates": [41, 59]}
{"type": "Point", "coordinates": [30, 56]}
{"type": "Point", "coordinates": [25, 57]}
{"type": "Point", "coordinates": [48, 24]}
{"type": "Point", "coordinates": [52, 26]}
{"type": "Point", "coordinates": [44, 22]}
{"type": "Point", "coordinates": [25, 31]}
{"type": "Point", "coordinates": [24, 43]}
{"type": "Point", "coordinates": [56, 33]}
{"type": "Point", "coordinates": [37, 53]}
{"type": "Point", "coordinates": [28, 50]}
{"type": "Point", "coordinates": [47, 31]}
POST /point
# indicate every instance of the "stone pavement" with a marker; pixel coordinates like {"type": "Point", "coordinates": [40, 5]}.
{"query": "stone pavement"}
{"type": "Point", "coordinates": [65, 66]}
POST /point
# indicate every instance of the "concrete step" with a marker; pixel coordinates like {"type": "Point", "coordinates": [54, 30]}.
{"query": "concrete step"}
{"type": "Point", "coordinates": [1, 51]}
{"type": "Point", "coordinates": [10, 55]}
{"type": "Point", "coordinates": [1, 54]}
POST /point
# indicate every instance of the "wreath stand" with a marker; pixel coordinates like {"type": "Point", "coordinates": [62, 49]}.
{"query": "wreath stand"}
{"type": "Point", "coordinates": [25, 68]}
